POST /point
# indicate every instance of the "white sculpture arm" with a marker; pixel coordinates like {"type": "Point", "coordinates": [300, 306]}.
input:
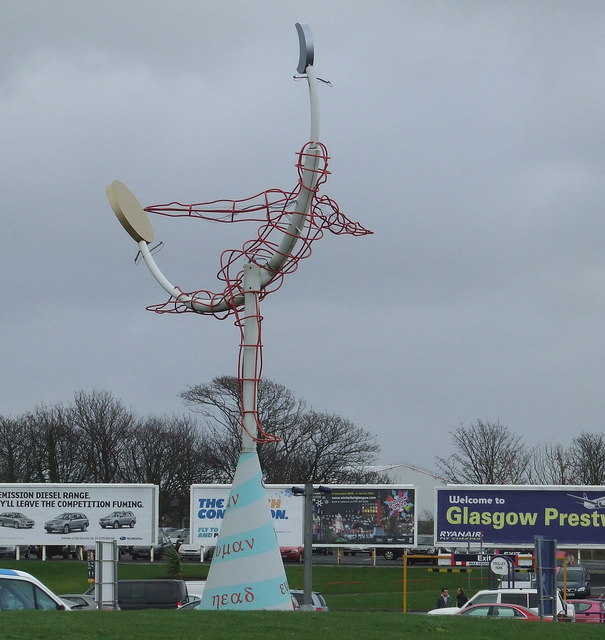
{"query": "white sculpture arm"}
{"type": "Point", "coordinates": [136, 221]}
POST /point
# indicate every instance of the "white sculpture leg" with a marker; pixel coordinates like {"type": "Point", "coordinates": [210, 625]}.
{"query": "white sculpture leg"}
{"type": "Point", "coordinates": [247, 572]}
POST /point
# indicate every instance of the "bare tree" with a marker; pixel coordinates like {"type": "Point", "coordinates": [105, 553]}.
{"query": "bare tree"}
{"type": "Point", "coordinates": [15, 451]}
{"type": "Point", "coordinates": [486, 453]}
{"type": "Point", "coordinates": [551, 464]}
{"type": "Point", "coordinates": [328, 448]}
{"type": "Point", "coordinates": [167, 452]}
{"type": "Point", "coordinates": [314, 446]}
{"type": "Point", "coordinates": [587, 458]}
{"type": "Point", "coordinates": [54, 445]}
{"type": "Point", "coordinates": [104, 426]}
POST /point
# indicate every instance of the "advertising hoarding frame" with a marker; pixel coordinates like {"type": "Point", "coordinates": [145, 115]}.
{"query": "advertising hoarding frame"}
{"type": "Point", "coordinates": [510, 516]}
{"type": "Point", "coordinates": [287, 510]}
{"type": "Point", "coordinates": [41, 503]}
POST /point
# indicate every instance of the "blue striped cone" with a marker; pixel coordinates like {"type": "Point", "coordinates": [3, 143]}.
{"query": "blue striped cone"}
{"type": "Point", "coordinates": [247, 572]}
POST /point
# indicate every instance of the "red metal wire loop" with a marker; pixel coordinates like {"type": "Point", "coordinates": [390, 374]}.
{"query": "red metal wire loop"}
{"type": "Point", "coordinates": [272, 208]}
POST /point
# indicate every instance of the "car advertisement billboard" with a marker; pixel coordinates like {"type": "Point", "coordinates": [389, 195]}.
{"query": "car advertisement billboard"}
{"type": "Point", "coordinates": [513, 516]}
{"type": "Point", "coordinates": [347, 515]}
{"type": "Point", "coordinates": [78, 514]}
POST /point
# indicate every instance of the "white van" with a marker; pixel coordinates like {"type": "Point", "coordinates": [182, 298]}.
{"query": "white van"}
{"type": "Point", "coordinates": [525, 597]}
{"type": "Point", "coordinates": [20, 590]}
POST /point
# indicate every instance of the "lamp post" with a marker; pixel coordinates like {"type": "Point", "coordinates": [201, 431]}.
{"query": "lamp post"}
{"type": "Point", "coordinates": [307, 493]}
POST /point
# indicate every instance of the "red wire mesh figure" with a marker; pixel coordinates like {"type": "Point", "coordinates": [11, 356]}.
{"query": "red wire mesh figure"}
{"type": "Point", "coordinates": [274, 209]}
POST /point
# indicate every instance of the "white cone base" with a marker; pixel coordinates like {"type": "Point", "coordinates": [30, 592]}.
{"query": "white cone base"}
{"type": "Point", "coordinates": [247, 571]}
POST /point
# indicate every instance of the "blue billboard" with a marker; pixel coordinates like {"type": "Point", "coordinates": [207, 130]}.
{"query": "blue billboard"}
{"type": "Point", "coordinates": [513, 515]}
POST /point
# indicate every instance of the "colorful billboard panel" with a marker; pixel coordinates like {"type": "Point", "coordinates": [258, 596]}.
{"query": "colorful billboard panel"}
{"type": "Point", "coordinates": [364, 515]}
{"type": "Point", "coordinates": [513, 516]}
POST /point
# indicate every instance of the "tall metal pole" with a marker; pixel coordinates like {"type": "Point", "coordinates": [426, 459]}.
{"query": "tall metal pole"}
{"type": "Point", "coordinates": [308, 550]}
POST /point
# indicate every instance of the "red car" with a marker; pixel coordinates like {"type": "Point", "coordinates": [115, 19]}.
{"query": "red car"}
{"type": "Point", "coordinates": [499, 610]}
{"type": "Point", "coordinates": [294, 554]}
{"type": "Point", "coordinates": [589, 610]}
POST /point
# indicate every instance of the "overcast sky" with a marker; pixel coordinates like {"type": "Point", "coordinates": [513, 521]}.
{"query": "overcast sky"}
{"type": "Point", "coordinates": [468, 135]}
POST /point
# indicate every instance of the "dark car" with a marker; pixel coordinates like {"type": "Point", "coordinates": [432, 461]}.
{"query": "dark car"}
{"type": "Point", "coordinates": [576, 580]}
{"type": "Point", "coordinates": [67, 522]}
{"type": "Point", "coordinates": [430, 555]}
{"type": "Point", "coordinates": [150, 594]}
{"type": "Point", "coordinates": [118, 519]}
{"type": "Point", "coordinates": [8, 551]}
{"type": "Point", "coordinates": [137, 552]}
{"type": "Point", "coordinates": [16, 520]}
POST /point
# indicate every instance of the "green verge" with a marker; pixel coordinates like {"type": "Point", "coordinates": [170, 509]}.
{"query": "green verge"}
{"type": "Point", "coordinates": [194, 625]}
{"type": "Point", "coordinates": [365, 602]}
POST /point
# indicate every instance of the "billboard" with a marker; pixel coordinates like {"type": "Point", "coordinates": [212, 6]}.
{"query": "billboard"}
{"type": "Point", "coordinates": [371, 515]}
{"type": "Point", "coordinates": [513, 515]}
{"type": "Point", "coordinates": [209, 501]}
{"type": "Point", "coordinates": [78, 514]}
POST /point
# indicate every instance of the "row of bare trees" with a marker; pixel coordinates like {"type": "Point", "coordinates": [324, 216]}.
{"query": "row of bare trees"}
{"type": "Point", "coordinates": [96, 439]}
{"type": "Point", "coordinates": [490, 453]}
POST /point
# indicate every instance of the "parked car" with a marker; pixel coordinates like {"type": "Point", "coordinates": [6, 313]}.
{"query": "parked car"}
{"type": "Point", "coordinates": [16, 520]}
{"type": "Point", "coordinates": [67, 522]}
{"type": "Point", "coordinates": [576, 579]}
{"type": "Point", "coordinates": [502, 611]}
{"type": "Point", "coordinates": [194, 603]}
{"type": "Point", "coordinates": [393, 553]}
{"type": "Point", "coordinates": [524, 597]}
{"type": "Point", "coordinates": [8, 551]}
{"type": "Point", "coordinates": [180, 534]}
{"type": "Point", "coordinates": [431, 555]}
{"type": "Point", "coordinates": [195, 588]}
{"type": "Point", "coordinates": [209, 553]}
{"type": "Point", "coordinates": [150, 594]}
{"type": "Point", "coordinates": [292, 554]}
{"type": "Point", "coordinates": [137, 552]}
{"type": "Point", "coordinates": [65, 551]}
{"type": "Point", "coordinates": [589, 610]}
{"type": "Point", "coordinates": [118, 519]}
{"type": "Point", "coordinates": [353, 551]}
{"type": "Point", "coordinates": [518, 579]}
{"type": "Point", "coordinates": [323, 551]}
{"type": "Point", "coordinates": [79, 601]}
{"type": "Point", "coordinates": [189, 551]}
{"type": "Point", "coordinates": [317, 600]}
{"type": "Point", "coordinates": [20, 590]}
{"type": "Point", "coordinates": [389, 553]}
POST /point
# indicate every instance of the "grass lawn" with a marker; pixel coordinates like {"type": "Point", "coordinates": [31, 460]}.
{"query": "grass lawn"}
{"type": "Point", "coordinates": [365, 602]}
{"type": "Point", "coordinates": [194, 625]}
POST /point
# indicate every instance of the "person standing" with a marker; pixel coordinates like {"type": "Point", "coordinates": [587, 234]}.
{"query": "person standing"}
{"type": "Point", "coordinates": [443, 600]}
{"type": "Point", "coordinates": [461, 598]}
